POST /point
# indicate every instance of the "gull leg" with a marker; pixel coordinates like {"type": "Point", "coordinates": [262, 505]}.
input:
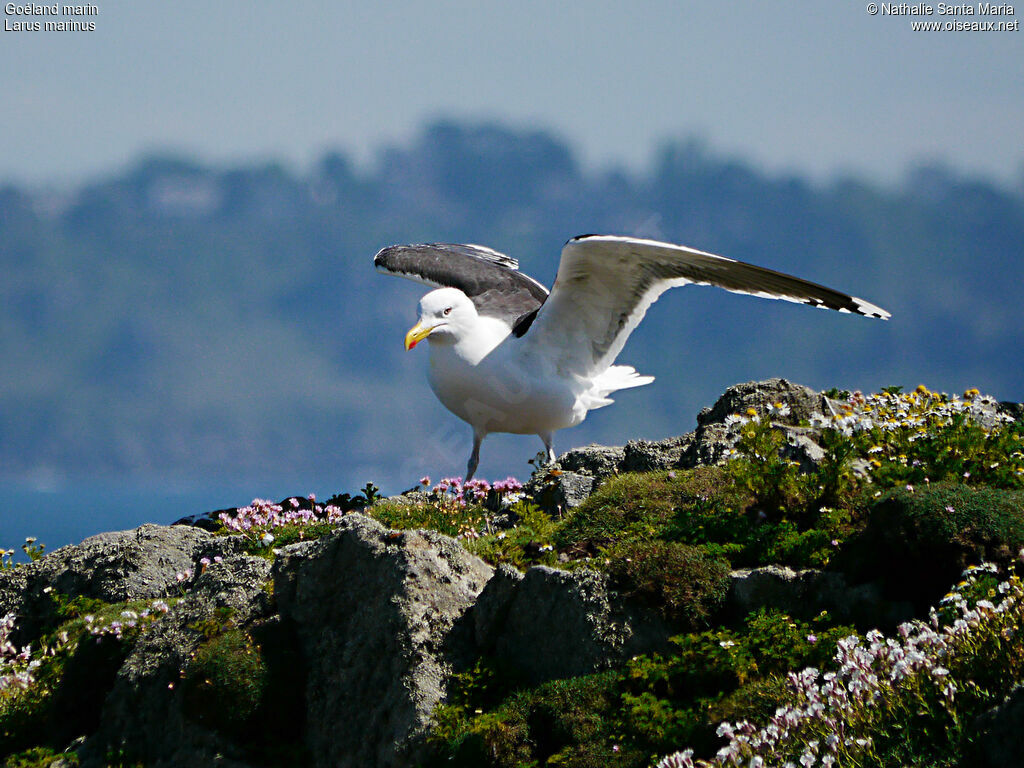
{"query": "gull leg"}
{"type": "Point", "coordinates": [474, 457]}
{"type": "Point", "coordinates": [548, 438]}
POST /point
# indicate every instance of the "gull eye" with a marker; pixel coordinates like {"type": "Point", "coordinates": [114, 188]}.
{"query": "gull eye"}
{"type": "Point", "coordinates": [447, 311]}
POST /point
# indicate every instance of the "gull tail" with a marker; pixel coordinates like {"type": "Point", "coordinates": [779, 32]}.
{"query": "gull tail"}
{"type": "Point", "coordinates": [615, 378]}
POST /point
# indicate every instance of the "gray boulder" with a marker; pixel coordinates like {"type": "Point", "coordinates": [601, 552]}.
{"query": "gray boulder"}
{"type": "Point", "coordinates": [379, 616]}
{"type": "Point", "coordinates": [648, 456]}
{"type": "Point", "coordinates": [558, 491]}
{"type": "Point", "coordinates": [710, 442]}
{"type": "Point", "coordinates": [145, 717]}
{"type": "Point", "coordinates": [803, 401]}
{"type": "Point", "coordinates": [552, 623]}
{"type": "Point", "coordinates": [147, 562]}
{"type": "Point", "coordinates": [594, 460]}
{"type": "Point", "coordinates": [801, 447]}
{"type": "Point", "coordinates": [1014, 410]}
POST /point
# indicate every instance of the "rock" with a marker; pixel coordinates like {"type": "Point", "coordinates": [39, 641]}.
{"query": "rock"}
{"type": "Point", "coordinates": [710, 439]}
{"type": "Point", "coordinates": [801, 448]}
{"type": "Point", "coordinates": [779, 587]}
{"type": "Point", "coordinates": [646, 456]}
{"type": "Point", "coordinates": [803, 401]}
{"type": "Point", "coordinates": [124, 565]}
{"type": "Point", "coordinates": [999, 734]}
{"type": "Point", "coordinates": [555, 623]}
{"type": "Point", "coordinates": [580, 472]}
{"type": "Point", "coordinates": [411, 497]}
{"type": "Point", "coordinates": [1014, 410]}
{"type": "Point", "coordinates": [596, 460]}
{"type": "Point", "coordinates": [145, 716]}
{"type": "Point", "coordinates": [806, 593]}
{"type": "Point", "coordinates": [490, 611]}
{"type": "Point", "coordinates": [379, 618]}
{"type": "Point", "coordinates": [557, 491]}
{"type": "Point", "coordinates": [710, 443]}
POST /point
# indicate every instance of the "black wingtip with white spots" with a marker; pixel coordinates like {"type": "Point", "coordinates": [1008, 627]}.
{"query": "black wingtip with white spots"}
{"type": "Point", "coordinates": [854, 306]}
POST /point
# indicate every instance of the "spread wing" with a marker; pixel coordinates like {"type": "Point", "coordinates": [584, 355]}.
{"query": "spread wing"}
{"type": "Point", "coordinates": [490, 279]}
{"type": "Point", "coordinates": [605, 284]}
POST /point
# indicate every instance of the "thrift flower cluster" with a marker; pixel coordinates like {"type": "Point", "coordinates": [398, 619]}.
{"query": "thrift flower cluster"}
{"type": "Point", "coordinates": [263, 515]}
{"type": "Point", "coordinates": [453, 489]}
{"type": "Point", "coordinates": [16, 664]}
{"type": "Point", "coordinates": [127, 623]}
{"type": "Point", "coordinates": [461, 502]}
{"type": "Point", "coordinates": [19, 665]}
{"type": "Point", "coordinates": [838, 716]}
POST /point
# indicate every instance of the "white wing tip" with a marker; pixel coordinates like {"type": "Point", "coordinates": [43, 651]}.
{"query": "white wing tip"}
{"type": "Point", "coordinates": [868, 309]}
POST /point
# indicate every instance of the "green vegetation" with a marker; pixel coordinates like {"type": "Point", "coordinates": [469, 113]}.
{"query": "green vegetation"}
{"type": "Point", "coordinates": [225, 682]}
{"type": "Point", "coordinates": [683, 582]}
{"type": "Point", "coordinates": [247, 684]}
{"type": "Point", "coordinates": [52, 691]}
{"type": "Point", "coordinates": [39, 757]}
{"type": "Point", "coordinates": [629, 716]}
{"type": "Point", "coordinates": [912, 489]}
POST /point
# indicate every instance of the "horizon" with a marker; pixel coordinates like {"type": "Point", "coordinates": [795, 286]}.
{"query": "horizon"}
{"type": "Point", "coordinates": [371, 166]}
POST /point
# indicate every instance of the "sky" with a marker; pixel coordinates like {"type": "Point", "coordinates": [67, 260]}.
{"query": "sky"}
{"type": "Point", "coordinates": [813, 88]}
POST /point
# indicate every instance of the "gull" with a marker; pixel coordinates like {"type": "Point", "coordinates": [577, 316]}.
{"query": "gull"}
{"type": "Point", "coordinates": [507, 355]}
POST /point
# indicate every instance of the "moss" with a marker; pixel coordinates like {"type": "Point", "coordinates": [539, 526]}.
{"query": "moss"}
{"type": "Point", "coordinates": [249, 686]}
{"type": "Point", "coordinates": [225, 682]}
{"type": "Point", "coordinates": [681, 581]}
{"type": "Point", "coordinates": [918, 541]}
{"type": "Point", "coordinates": [632, 505]}
{"type": "Point", "coordinates": [40, 757]}
{"type": "Point", "coordinates": [642, 506]}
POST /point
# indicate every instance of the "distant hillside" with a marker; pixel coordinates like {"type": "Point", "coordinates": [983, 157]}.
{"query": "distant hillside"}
{"type": "Point", "coordinates": [176, 319]}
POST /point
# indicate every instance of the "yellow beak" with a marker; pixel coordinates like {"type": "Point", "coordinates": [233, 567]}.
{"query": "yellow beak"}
{"type": "Point", "coordinates": [417, 334]}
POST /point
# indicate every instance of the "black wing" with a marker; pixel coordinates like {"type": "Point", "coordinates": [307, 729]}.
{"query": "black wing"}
{"type": "Point", "coordinates": [490, 279]}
